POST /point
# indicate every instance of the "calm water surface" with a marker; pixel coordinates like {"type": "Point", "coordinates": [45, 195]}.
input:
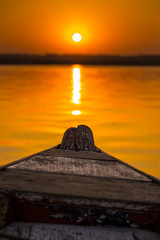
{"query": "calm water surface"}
{"type": "Point", "coordinates": [120, 104]}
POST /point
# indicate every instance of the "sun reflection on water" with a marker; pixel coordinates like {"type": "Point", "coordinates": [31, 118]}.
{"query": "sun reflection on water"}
{"type": "Point", "coordinates": [76, 112]}
{"type": "Point", "coordinates": [76, 89]}
{"type": "Point", "coordinates": [76, 85]}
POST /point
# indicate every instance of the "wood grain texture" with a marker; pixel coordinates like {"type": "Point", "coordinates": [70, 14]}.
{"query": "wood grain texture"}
{"type": "Point", "coordinates": [84, 167]}
{"type": "Point", "coordinates": [78, 154]}
{"type": "Point", "coordinates": [69, 139]}
{"type": "Point", "coordinates": [78, 139]}
{"type": "Point", "coordinates": [84, 139]}
{"type": "Point", "coordinates": [56, 152]}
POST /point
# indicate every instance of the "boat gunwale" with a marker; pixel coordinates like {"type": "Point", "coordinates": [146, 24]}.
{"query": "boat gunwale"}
{"type": "Point", "coordinates": [114, 159]}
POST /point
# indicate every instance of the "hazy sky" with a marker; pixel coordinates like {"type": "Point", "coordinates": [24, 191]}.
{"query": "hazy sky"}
{"type": "Point", "coordinates": [107, 27]}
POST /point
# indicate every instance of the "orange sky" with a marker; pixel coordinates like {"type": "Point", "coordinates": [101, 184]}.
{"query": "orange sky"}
{"type": "Point", "coordinates": [107, 27]}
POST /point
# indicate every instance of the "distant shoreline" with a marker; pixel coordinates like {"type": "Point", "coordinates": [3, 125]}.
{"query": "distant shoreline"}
{"type": "Point", "coordinates": [26, 59]}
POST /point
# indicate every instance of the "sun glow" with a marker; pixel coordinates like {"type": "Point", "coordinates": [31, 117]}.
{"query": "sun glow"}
{"type": "Point", "coordinates": [76, 37]}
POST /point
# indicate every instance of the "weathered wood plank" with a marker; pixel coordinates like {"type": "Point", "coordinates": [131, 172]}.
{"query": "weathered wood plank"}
{"type": "Point", "coordinates": [98, 155]}
{"type": "Point", "coordinates": [34, 231]}
{"type": "Point", "coordinates": [56, 152]}
{"type": "Point", "coordinates": [78, 154]}
{"type": "Point", "coordinates": [79, 186]}
{"type": "Point", "coordinates": [84, 167]}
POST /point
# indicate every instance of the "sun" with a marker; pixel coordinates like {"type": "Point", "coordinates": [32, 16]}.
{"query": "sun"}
{"type": "Point", "coordinates": [76, 37]}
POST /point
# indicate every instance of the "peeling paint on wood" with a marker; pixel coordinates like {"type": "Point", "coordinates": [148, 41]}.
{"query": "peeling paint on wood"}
{"type": "Point", "coordinates": [69, 200]}
{"type": "Point", "coordinates": [34, 231]}
{"type": "Point", "coordinates": [6, 210]}
{"type": "Point", "coordinates": [62, 210]}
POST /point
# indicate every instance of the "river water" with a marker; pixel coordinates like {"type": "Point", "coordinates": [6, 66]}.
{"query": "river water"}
{"type": "Point", "coordinates": [120, 104]}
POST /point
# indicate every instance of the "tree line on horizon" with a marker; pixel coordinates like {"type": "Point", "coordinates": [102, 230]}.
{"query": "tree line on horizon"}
{"type": "Point", "coordinates": [79, 59]}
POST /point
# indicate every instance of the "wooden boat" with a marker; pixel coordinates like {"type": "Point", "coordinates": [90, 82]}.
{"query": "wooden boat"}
{"type": "Point", "coordinates": [76, 191]}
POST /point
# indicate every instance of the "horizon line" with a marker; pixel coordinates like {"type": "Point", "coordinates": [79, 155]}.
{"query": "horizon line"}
{"type": "Point", "coordinates": [78, 54]}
